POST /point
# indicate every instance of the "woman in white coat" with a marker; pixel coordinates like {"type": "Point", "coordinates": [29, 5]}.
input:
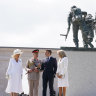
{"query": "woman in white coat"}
{"type": "Point", "coordinates": [62, 72]}
{"type": "Point", "coordinates": [14, 74]}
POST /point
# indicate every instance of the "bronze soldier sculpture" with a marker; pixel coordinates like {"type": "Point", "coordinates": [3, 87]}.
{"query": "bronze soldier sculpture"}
{"type": "Point", "coordinates": [89, 34]}
{"type": "Point", "coordinates": [80, 20]}
{"type": "Point", "coordinates": [87, 27]}
{"type": "Point", "coordinates": [75, 18]}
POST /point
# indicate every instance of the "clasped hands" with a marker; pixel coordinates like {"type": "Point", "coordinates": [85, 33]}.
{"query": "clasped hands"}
{"type": "Point", "coordinates": [33, 70]}
{"type": "Point", "coordinates": [59, 76]}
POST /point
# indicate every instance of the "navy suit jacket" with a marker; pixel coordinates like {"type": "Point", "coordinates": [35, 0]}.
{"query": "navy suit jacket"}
{"type": "Point", "coordinates": [49, 67]}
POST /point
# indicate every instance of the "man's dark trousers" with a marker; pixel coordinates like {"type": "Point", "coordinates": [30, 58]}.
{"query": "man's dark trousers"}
{"type": "Point", "coordinates": [46, 80]}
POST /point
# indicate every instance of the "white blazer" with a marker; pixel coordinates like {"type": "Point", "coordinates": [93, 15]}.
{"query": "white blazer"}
{"type": "Point", "coordinates": [62, 66]}
{"type": "Point", "coordinates": [62, 70]}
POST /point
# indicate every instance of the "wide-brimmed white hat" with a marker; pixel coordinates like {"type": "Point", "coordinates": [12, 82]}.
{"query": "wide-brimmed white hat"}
{"type": "Point", "coordinates": [17, 51]}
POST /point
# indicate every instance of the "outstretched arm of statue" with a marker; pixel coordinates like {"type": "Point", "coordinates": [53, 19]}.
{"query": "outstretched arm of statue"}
{"type": "Point", "coordinates": [69, 24]}
{"type": "Point", "coordinates": [69, 20]}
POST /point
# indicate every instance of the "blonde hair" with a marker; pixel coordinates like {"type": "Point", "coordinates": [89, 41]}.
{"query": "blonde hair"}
{"type": "Point", "coordinates": [13, 56]}
{"type": "Point", "coordinates": [61, 53]}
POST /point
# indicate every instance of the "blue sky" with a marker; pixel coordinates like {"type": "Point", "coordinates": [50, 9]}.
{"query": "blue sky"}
{"type": "Point", "coordinates": [38, 23]}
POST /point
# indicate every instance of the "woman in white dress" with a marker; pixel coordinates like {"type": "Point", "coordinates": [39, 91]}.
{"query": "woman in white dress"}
{"type": "Point", "coordinates": [62, 73]}
{"type": "Point", "coordinates": [14, 74]}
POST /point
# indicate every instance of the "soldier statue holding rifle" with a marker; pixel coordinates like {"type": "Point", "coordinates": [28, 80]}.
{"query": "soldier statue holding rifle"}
{"type": "Point", "coordinates": [75, 18]}
{"type": "Point", "coordinates": [80, 20]}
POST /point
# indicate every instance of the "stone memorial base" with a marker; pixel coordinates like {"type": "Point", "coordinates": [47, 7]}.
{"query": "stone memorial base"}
{"type": "Point", "coordinates": [81, 70]}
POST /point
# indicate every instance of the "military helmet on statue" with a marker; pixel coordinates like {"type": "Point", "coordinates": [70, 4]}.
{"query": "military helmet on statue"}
{"type": "Point", "coordinates": [89, 16]}
{"type": "Point", "coordinates": [73, 7]}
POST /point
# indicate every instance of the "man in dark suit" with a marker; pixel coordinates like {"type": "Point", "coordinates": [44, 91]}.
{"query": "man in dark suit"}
{"type": "Point", "coordinates": [49, 67]}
